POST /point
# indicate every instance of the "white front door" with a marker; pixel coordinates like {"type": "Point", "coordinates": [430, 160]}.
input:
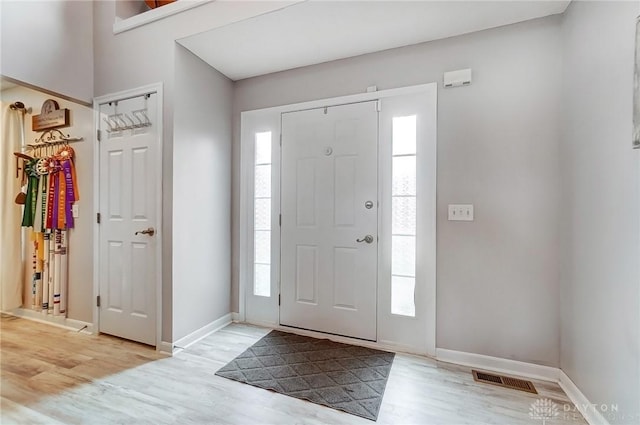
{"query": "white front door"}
{"type": "Point", "coordinates": [329, 209]}
{"type": "Point", "coordinates": [129, 154]}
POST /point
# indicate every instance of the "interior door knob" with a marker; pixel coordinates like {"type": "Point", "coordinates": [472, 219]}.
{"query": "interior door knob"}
{"type": "Point", "coordinates": [367, 239]}
{"type": "Point", "coordinates": [150, 231]}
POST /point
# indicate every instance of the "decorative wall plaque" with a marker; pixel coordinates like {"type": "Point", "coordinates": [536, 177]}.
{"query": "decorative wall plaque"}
{"type": "Point", "coordinates": [51, 116]}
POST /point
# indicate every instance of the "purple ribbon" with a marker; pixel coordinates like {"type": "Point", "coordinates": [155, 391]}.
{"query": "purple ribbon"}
{"type": "Point", "coordinates": [56, 199]}
{"type": "Point", "coordinates": [70, 195]}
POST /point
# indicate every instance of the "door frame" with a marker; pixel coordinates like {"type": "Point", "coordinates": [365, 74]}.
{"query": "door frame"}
{"type": "Point", "coordinates": [253, 119]}
{"type": "Point", "coordinates": [157, 89]}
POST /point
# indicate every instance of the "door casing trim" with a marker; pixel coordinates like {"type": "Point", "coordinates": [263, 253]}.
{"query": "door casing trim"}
{"type": "Point", "coordinates": [156, 88]}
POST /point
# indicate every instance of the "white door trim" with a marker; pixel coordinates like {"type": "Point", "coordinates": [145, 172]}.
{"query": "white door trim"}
{"type": "Point", "coordinates": [341, 100]}
{"type": "Point", "coordinates": [246, 191]}
{"type": "Point", "coordinates": [122, 95]}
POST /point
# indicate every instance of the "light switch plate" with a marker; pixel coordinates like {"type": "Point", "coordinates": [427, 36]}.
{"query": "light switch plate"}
{"type": "Point", "coordinates": [75, 210]}
{"type": "Point", "coordinates": [460, 212]}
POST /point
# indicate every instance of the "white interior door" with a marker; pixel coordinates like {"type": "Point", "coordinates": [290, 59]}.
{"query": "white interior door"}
{"type": "Point", "coordinates": [329, 209]}
{"type": "Point", "coordinates": [128, 218]}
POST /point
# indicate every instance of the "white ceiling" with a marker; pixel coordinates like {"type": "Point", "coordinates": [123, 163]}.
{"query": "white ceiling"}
{"type": "Point", "coordinates": [317, 31]}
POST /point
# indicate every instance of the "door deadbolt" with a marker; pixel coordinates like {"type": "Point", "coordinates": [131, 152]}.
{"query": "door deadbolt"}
{"type": "Point", "coordinates": [367, 239]}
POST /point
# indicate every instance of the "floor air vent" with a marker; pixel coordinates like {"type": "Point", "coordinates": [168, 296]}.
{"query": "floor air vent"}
{"type": "Point", "coordinates": [504, 381]}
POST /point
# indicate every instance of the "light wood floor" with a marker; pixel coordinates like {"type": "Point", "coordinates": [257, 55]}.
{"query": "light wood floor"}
{"type": "Point", "coordinates": [54, 376]}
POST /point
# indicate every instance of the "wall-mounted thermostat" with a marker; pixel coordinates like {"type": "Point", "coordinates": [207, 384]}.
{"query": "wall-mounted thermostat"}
{"type": "Point", "coordinates": [461, 77]}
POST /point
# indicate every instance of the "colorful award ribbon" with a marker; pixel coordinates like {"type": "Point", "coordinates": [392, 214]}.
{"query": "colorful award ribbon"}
{"type": "Point", "coordinates": [62, 193]}
{"type": "Point", "coordinates": [32, 193]}
{"type": "Point", "coordinates": [37, 221]}
{"type": "Point", "coordinates": [50, 199]}
{"type": "Point", "coordinates": [56, 197]}
{"type": "Point", "coordinates": [70, 193]}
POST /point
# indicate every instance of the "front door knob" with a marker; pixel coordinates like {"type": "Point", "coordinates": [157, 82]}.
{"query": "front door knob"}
{"type": "Point", "coordinates": [367, 239]}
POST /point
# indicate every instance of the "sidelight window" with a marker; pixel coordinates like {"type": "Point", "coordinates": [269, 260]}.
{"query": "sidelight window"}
{"type": "Point", "coordinates": [262, 215]}
{"type": "Point", "coordinates": [403, 216]}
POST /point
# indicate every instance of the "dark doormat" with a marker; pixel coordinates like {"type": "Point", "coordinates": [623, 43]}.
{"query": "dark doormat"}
{"type": "Point", "coordinates": [340, 376]}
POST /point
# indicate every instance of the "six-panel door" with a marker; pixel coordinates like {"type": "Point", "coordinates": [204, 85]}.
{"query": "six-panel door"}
{"type": "Point", "coordinates": [128, 190]}
{"type": "Point", "coordinates": [329, 219]}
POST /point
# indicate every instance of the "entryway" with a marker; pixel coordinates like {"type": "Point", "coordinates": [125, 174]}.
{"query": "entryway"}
{"type": "Point", "coordinates": [338, 214]}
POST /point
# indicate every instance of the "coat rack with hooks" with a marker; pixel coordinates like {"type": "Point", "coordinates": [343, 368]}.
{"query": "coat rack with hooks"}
{"type": "Point", "coordinates": [121, 122]}
{"type": "Point", "coordinates": [51, 138]}
{"type": "Point", "coordinates": [43, 145]}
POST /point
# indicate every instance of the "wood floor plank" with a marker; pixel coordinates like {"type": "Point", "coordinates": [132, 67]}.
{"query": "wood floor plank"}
{"type": "Point", "coordinates": [51, 375]}
{"type": "Point", "coordinates": [22, 365]}
{"type": "Point", "coordinates": [17, 413]}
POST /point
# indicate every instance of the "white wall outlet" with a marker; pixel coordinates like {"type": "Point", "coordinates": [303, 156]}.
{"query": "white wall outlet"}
{"type": "Point", "coordinates": [75, 210]}
{"type": "Point", "coordinates": [460, 212]}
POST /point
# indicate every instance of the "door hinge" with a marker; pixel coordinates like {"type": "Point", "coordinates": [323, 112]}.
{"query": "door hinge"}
{"type": "Point", "coordinates": [280, 220]}
{"type": "Point", "coordinates": [279, 299]}
{"type": "Point", "coordinates": [378, 105]}
{"type": "Point", "coordinates": [98, 218]}
{"type": "Point", "coordinates": [280, 139]}
{"type": "Point", "coordinates": [98, 301]}
{"type": "Point", "coordinates": [98, 135]}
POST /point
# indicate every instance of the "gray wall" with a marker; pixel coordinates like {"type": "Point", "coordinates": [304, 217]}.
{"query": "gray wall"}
{"type": "Point", "coordinates": [498, 277]}
{"type": "Point", "coordinates": [600, 300]}
{"type": "Point", "coordinates": [49, 45]}
{"type": "Point", "coordinates": [201, 194]}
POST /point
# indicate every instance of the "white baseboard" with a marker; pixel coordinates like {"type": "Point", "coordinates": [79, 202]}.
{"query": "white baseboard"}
{"type": "Point", "coordinates": [203, 332]}
{"type": "Point", "coordinates": [58, 321]}
{"type": "Point", "coordinates": [580, 401]}
{"type": "Point", "coordinates": [235, 317]}
{"type": "Point", "coordinates": [165, 347]}
{"type": "Point", "coordinates": [496, 364]}
{"type": "Point", "coordinates": [268, 325]}
{"type": "Point", "coordinates": [402, 348]}
{"type": "Point", "coordinates": [527, 370]}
